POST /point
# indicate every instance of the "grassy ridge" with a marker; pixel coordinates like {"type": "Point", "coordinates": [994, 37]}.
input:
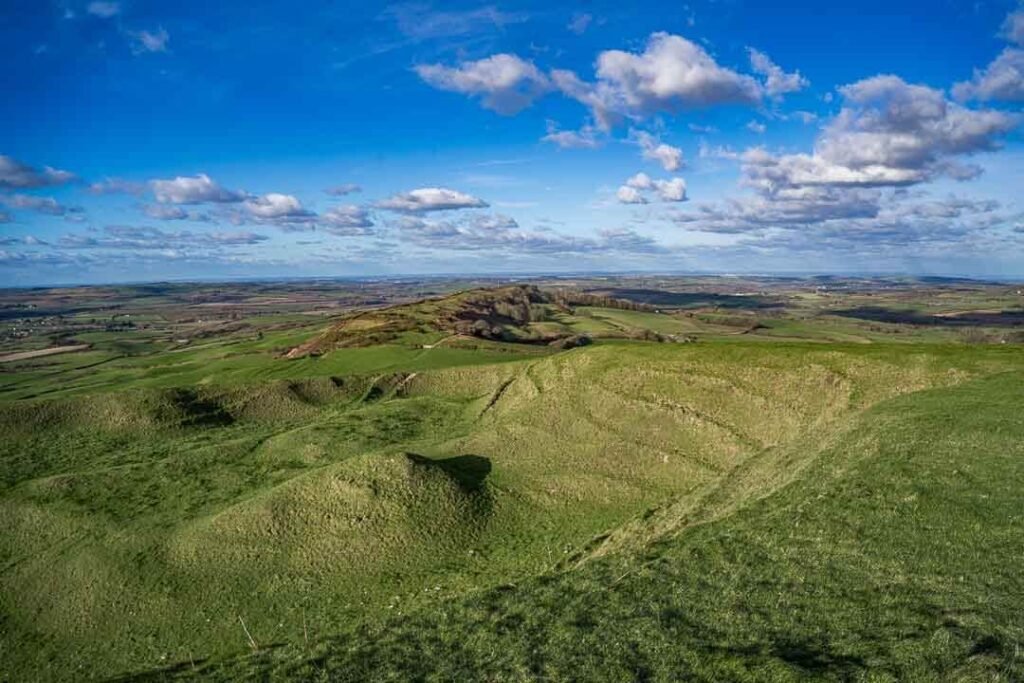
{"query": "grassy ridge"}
{"type": "Point", "coordinates": [139, 526]}
{"type": "Point", "coordinates": [893, 557]}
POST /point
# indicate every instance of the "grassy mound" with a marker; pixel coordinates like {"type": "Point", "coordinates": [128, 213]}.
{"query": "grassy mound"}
{"type": "Point", "coordinates": [132, 543]}
{"type": "Point", "coordinates": [521, 313]}
{"type": "Point", "coordinates": [893, 557]}
{"type": "Point", "coordinates": [355, 517]}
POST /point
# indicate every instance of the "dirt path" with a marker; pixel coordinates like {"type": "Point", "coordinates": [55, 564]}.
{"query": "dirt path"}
{"type": "Point", "coordinates": [438, 343]}
{"type": "Point", "coordinates": [39, 353]}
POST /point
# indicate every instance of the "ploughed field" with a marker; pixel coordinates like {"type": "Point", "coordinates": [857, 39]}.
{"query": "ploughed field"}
{"type": "Point", "coordinates": [623, 510]}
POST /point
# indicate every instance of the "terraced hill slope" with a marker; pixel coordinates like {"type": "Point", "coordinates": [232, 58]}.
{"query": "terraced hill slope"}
{"type": "Point", "coordinates": [142, 529]}
{"type": "Point", "coordinates": [518, 313]}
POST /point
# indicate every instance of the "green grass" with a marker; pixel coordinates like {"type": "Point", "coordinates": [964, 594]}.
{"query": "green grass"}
{"type": "Point", "coordinates": [893, 556]}
{"type": "Point", "coordinates": [374, 499]}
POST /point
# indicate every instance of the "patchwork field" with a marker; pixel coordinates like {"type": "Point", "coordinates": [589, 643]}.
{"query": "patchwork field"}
{"type": "Point", "coordinates": [728, 502]}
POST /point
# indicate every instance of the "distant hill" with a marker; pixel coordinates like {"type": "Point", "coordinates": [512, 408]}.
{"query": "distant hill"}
{"type": "Point", "coordinates": [499, 314]}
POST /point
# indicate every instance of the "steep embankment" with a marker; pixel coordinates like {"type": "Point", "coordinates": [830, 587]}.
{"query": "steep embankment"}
{"type": "Point", "coordinates": [892, 556]}
{"type": "Point", "coordinates": [144, 533]}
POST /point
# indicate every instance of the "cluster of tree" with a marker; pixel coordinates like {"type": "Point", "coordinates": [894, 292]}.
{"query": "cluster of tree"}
{"type": "Point", "coordinates": [571, 342]}
{"type": "Point", "coordinates": [569, 298]}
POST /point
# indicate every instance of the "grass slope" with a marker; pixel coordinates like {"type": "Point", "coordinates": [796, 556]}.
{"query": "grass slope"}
{"type": "Point", "coordinates": [893, 557]}
{"type": "Point", "coordinates": [139, 528]}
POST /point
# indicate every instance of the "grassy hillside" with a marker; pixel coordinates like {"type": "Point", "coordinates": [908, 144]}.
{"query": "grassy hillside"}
{"type": "Point", "coordinates": [894, 556]}
{"type": "Point", "coordinates": [517, 313]}
{"type": "Point", "coordinates": [141, 529]}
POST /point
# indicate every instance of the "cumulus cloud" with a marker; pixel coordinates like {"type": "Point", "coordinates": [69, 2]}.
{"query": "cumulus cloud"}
{"type": "Point", "coordinates": [149, 41]}
{"type": "Point", "coordinates": [776, 81]}
{"type": "Point", "coordinates": [756, 127]}
{"type": "Point", "coordinates": [504, 82]}
{"type": "Point", "coordinates": [427, 199]}
{"type": "Point", "coordinates": [17, 175]}
{"type": "Point", "coordinates": [197, 189]}
{"type": "Point", "coordinates": [629, 195]}
{"type": "Point", "coordinates": [1003, 79]}
{"type": "Point", "coordinates": [346, 221]}
{"type": "Point", "coordinates": [343, 189]}
{"type": "Point", "coordinates": [670, 75]}
{"type": "Point", "coordinates": [585, 138]}
{"type": "Point", "coordinates": [104, 10]}
{"type": "Point", "coordinates": [634, 189]}
{"type": "Point", "coordinates": [670, 158]}
{"type": "Point", "coordinates": [787, 210]}
{"type": "Point", "coordinates": [275, 207]}
{"type": "Point", "coordinates": [672, 190]}
{"type": "Point", "coordinates": [888, 133]}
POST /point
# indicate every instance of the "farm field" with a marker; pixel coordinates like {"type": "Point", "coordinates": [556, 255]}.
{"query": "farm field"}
{"type": "Point", "coordinates": [695, 478]}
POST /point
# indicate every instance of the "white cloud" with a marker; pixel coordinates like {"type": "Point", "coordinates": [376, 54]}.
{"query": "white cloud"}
{"type": "Point", "coordinates": [146, 238]}
{"type": "Point", "coordinates": [346, 221]}
{"type": "Point", "coordinates": [888, 133]}
{"type": "Point", "coordinates": [1013, 27]}
{"type": "Point", "coordinates": [421, 22]}
{"type": "Point", "coordinates": [27, 240]}
{"type": "Point", "coordinates": [670, 158]}
{"type": "Point", "coordinates": [149, 41]}
{"type": "Point", "coordinates": [504, 82]}
{"type": "Point", "coordinates": [165, 212]}
{"type": "Point", "coordinates": [756, 127]}
{"type": "Point", "coordinates": [430, 199]}
{"type": "Point", "coordinates": [45, 205]}
{"type": "Point", "coordinates": [875, 226]}
{"type": "Point", "coordinates": [671, 74]}
{"type": "Point", "coordinates": [104, 10]}
{"type": "Point", "coordinates": [580, 22]}
{"type": "Point", "coordinates": [117, 186]}
{"type": "Point", "coordinates": [641, 181]}
{"type": "Point", "coordinates": [632, 192]}
{"type": "Point", "coordinates": [629, 195]}
{"type": "Point", "coordinates": [584, 138]}
{"type": "Point", "coordinates": [343, 189]}
{"type": "Point", "coordinates": [673, 190]}
{"type": "Point", "coordinates": [283, 210]}
{"type": "Point", "coordinates": [1003, 79]}
{"type": "Point", "coordinates": [193, 190]}
{"type": "Point", "coordinates": [502, 234]}
{"type": "Point", "coordinates": [776, 81]}
{"type": "Point", "coordinates": [18, 175]}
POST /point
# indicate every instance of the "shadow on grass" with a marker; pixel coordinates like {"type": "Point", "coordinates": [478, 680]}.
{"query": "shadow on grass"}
{"type": "Point", "coordinates": [879, 314]}
{"type": "Point", "coordinates": [656, 297]}
{"type": "Point", "coordinates": [469, 471]}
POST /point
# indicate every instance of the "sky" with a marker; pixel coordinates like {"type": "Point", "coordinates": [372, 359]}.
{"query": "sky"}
{"type": "Point", "coordinates": [144, 140]}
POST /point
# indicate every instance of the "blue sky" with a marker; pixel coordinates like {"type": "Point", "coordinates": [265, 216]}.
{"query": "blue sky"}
{"type": "Point", "coordinates": [151, 140]}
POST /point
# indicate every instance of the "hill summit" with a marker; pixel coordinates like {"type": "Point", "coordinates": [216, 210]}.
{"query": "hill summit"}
{"type": "Point", "coordinates": [506, 313]}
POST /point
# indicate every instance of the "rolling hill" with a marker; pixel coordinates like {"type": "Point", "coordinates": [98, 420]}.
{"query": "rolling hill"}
{"type": "Point", "coordinates": [732, 509]}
